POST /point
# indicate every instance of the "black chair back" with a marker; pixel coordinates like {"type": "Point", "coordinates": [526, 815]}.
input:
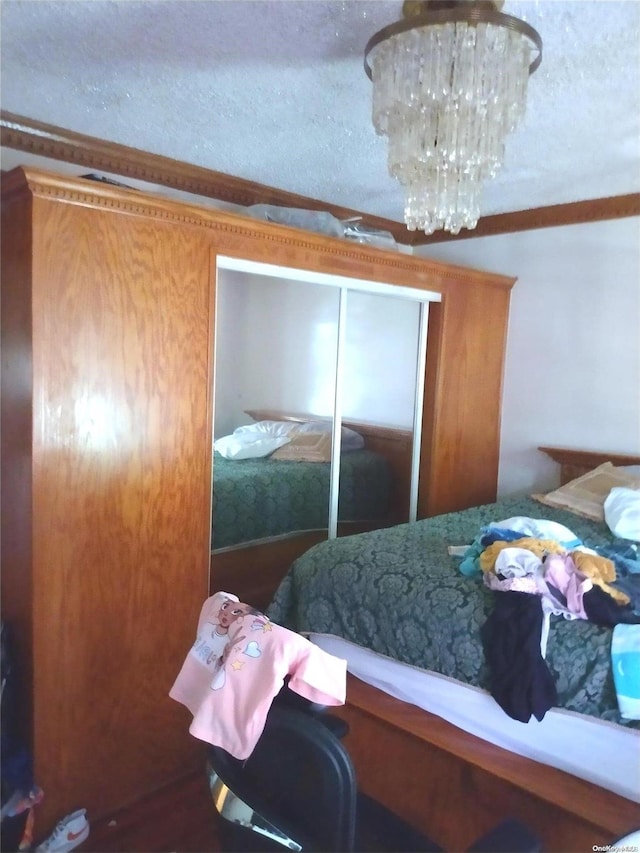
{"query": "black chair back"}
{"type": "Point", "coordinates": [299, 780]}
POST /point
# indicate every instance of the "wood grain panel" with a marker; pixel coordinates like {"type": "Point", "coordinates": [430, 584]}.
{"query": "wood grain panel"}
{"type": "Point", "coordinates": [249, 239]}
{"type": "Point", "coordinates": [463, 394]}
{"type": "Point", "coordinates": [121, 472]}
{"type": "Point", "coordinates": [180, 818]}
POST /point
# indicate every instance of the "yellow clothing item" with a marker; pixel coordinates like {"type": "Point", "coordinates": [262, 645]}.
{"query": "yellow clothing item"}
{"type": "Point", "coordinates": [539, 547]}
{"type": "Point", "coordinates": [599, 570]}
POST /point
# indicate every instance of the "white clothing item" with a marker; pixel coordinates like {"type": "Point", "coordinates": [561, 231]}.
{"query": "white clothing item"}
{"type": "Point", "coordinates": [539, 528]}
{"type": "Point", "coordinates": [517, 563]}
{"type": "Point", "coordinates": [622, 512]}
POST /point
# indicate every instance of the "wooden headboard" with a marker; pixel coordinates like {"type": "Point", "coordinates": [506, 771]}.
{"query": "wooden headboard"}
{"type": "Point", "coordinates": [394, 443]}
{"type": "Point", "coordinates": [575, 463]}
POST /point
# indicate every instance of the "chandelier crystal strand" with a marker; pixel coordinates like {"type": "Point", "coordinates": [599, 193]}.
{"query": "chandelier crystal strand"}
{"type": "Point", "coordinates": [446, 95]}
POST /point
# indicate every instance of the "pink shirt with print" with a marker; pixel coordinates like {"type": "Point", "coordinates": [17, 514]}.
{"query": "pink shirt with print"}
{"type": "Point", "coordinates": [229, 687]}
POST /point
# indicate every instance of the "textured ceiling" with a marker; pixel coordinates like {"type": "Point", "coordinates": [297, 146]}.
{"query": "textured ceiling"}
{"type": "Point", "coordinates": [274, 91]}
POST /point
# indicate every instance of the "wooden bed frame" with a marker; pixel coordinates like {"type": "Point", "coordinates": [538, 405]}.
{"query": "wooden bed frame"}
{"type": "Point", "coordinates": [455, 786]}
{"type": "Point", "coordinates": [254, 571]}
{"type": "Point", "coordinates": [575, 463]}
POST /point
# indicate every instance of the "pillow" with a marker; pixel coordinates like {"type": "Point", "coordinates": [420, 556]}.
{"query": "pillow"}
{"type": "Point", "coordinates": [276, 429]}
{"type": "Point", "coordinates": [351, 440]}
{"type": "Point", "coordinates": [306, 447]}
{"type": "Point", "coordinates": [586, 495]}
{"type": "Point", "coordinates": [248, 445]}
{"type": "Point", "coordinates": [622, 512]}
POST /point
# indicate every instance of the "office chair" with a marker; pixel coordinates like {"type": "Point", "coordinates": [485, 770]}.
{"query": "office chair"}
{"type": "Point", "coordinates": [298, 791]}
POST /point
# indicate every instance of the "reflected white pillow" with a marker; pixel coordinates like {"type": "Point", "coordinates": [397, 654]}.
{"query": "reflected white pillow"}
{"type": "Point", "coordinates": [351, 440]}
{"type": "Point", "coordinates": [248, 446]}
{"type": "Point", "coordinates": [622, 512]}
{"type": "Point", "coordinates": [276, 429]}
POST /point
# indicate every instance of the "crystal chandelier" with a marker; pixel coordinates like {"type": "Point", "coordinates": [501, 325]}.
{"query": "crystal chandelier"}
{"type": "Point", "coordinates": [449, 84]}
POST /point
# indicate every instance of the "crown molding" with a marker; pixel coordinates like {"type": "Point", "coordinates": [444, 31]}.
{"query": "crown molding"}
{"type": "Point", "coordinates": [56, 143]}
{"type": "Point", "coordinates": [552, 216]}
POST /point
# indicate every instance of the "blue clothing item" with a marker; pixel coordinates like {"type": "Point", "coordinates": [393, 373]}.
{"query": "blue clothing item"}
{"type": "Point", "coordinates": [470, 565]}
{"type": "Point", "coordinates": [489, 535]}
{"type": "Point", "coordinates": [625, 664]}
{"type": "Point", "coordinates": [631, 586]}
{"type": "Point", "coordinates": [625, 557]}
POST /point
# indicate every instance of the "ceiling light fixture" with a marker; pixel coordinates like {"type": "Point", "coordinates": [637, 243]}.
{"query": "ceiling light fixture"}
{"type": "Point", "coordinates": [449, 84]}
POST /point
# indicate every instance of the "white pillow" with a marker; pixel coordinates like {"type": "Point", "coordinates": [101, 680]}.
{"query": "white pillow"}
{"type": "Point", "coordinates": [622, 512]}
{"type": "Point", "coordinates": [276, 429]}
{"type": "Point", "coordinates": [248, 446]}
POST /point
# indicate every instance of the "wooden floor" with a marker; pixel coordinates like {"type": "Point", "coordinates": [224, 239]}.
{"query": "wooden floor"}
{"type": "Point", "coordinates": [179, 819]}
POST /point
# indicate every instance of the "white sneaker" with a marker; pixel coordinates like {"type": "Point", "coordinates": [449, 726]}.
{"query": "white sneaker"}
{"type": "Point", "coordinates": [71, 831]}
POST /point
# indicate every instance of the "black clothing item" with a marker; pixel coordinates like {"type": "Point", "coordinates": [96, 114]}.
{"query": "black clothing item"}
{"type": "Point", "coordinates": [603, 610]}
{"type": "Point", "coordinates": [520, 679]}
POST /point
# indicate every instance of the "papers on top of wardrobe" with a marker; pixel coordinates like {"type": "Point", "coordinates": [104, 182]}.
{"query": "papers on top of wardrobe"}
{"type": "Point", "coordinates": [321, 222]}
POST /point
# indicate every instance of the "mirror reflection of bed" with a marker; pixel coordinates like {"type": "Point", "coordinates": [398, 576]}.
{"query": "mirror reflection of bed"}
{"type": "Point", "coordinates": [293, 357]}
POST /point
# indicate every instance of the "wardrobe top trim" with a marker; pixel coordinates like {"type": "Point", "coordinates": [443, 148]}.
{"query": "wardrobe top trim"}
{"type": "Point", "coordinates": [243, 237]}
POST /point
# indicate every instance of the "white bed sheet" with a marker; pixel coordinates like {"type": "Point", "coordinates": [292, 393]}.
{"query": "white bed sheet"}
{"type": "Point", "coordinates": [600, 752]}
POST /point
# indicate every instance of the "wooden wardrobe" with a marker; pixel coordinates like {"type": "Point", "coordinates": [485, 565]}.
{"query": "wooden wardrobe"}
{"type": "Point", "coordinates": [108, 300]}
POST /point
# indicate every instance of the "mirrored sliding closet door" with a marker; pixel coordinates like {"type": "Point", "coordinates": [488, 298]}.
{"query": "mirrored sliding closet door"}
{"type": "Point", "coordinates": [275, 366]}
{"type": "Point", "coordinates": [378, 370]}
{"type": "Point", "coordinates": [317, 404]}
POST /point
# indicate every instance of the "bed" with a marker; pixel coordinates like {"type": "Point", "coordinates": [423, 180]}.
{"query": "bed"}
{"type": "Point", "coordinates": [419, 697]}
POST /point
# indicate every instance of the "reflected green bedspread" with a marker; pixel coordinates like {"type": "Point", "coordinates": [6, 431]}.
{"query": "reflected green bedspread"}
{"type": "Point", "coordinates": [258, 498]}
{"type": "Point", "coordinates": [398, 591]}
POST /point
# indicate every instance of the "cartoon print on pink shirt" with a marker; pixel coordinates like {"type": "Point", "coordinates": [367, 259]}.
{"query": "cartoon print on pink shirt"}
{"type": "Point", "coordinates": [217, 636]}
{"type": "Point", "coordinates": [230, 621]}
{"type": "Point", "coordinates": [252, 648]}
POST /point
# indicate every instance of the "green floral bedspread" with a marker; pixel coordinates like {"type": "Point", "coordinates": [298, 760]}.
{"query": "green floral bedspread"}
{"type": "Point", "coordinates": [398, 591]}
{"type": "Point", "coordinates": [258, 498]}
